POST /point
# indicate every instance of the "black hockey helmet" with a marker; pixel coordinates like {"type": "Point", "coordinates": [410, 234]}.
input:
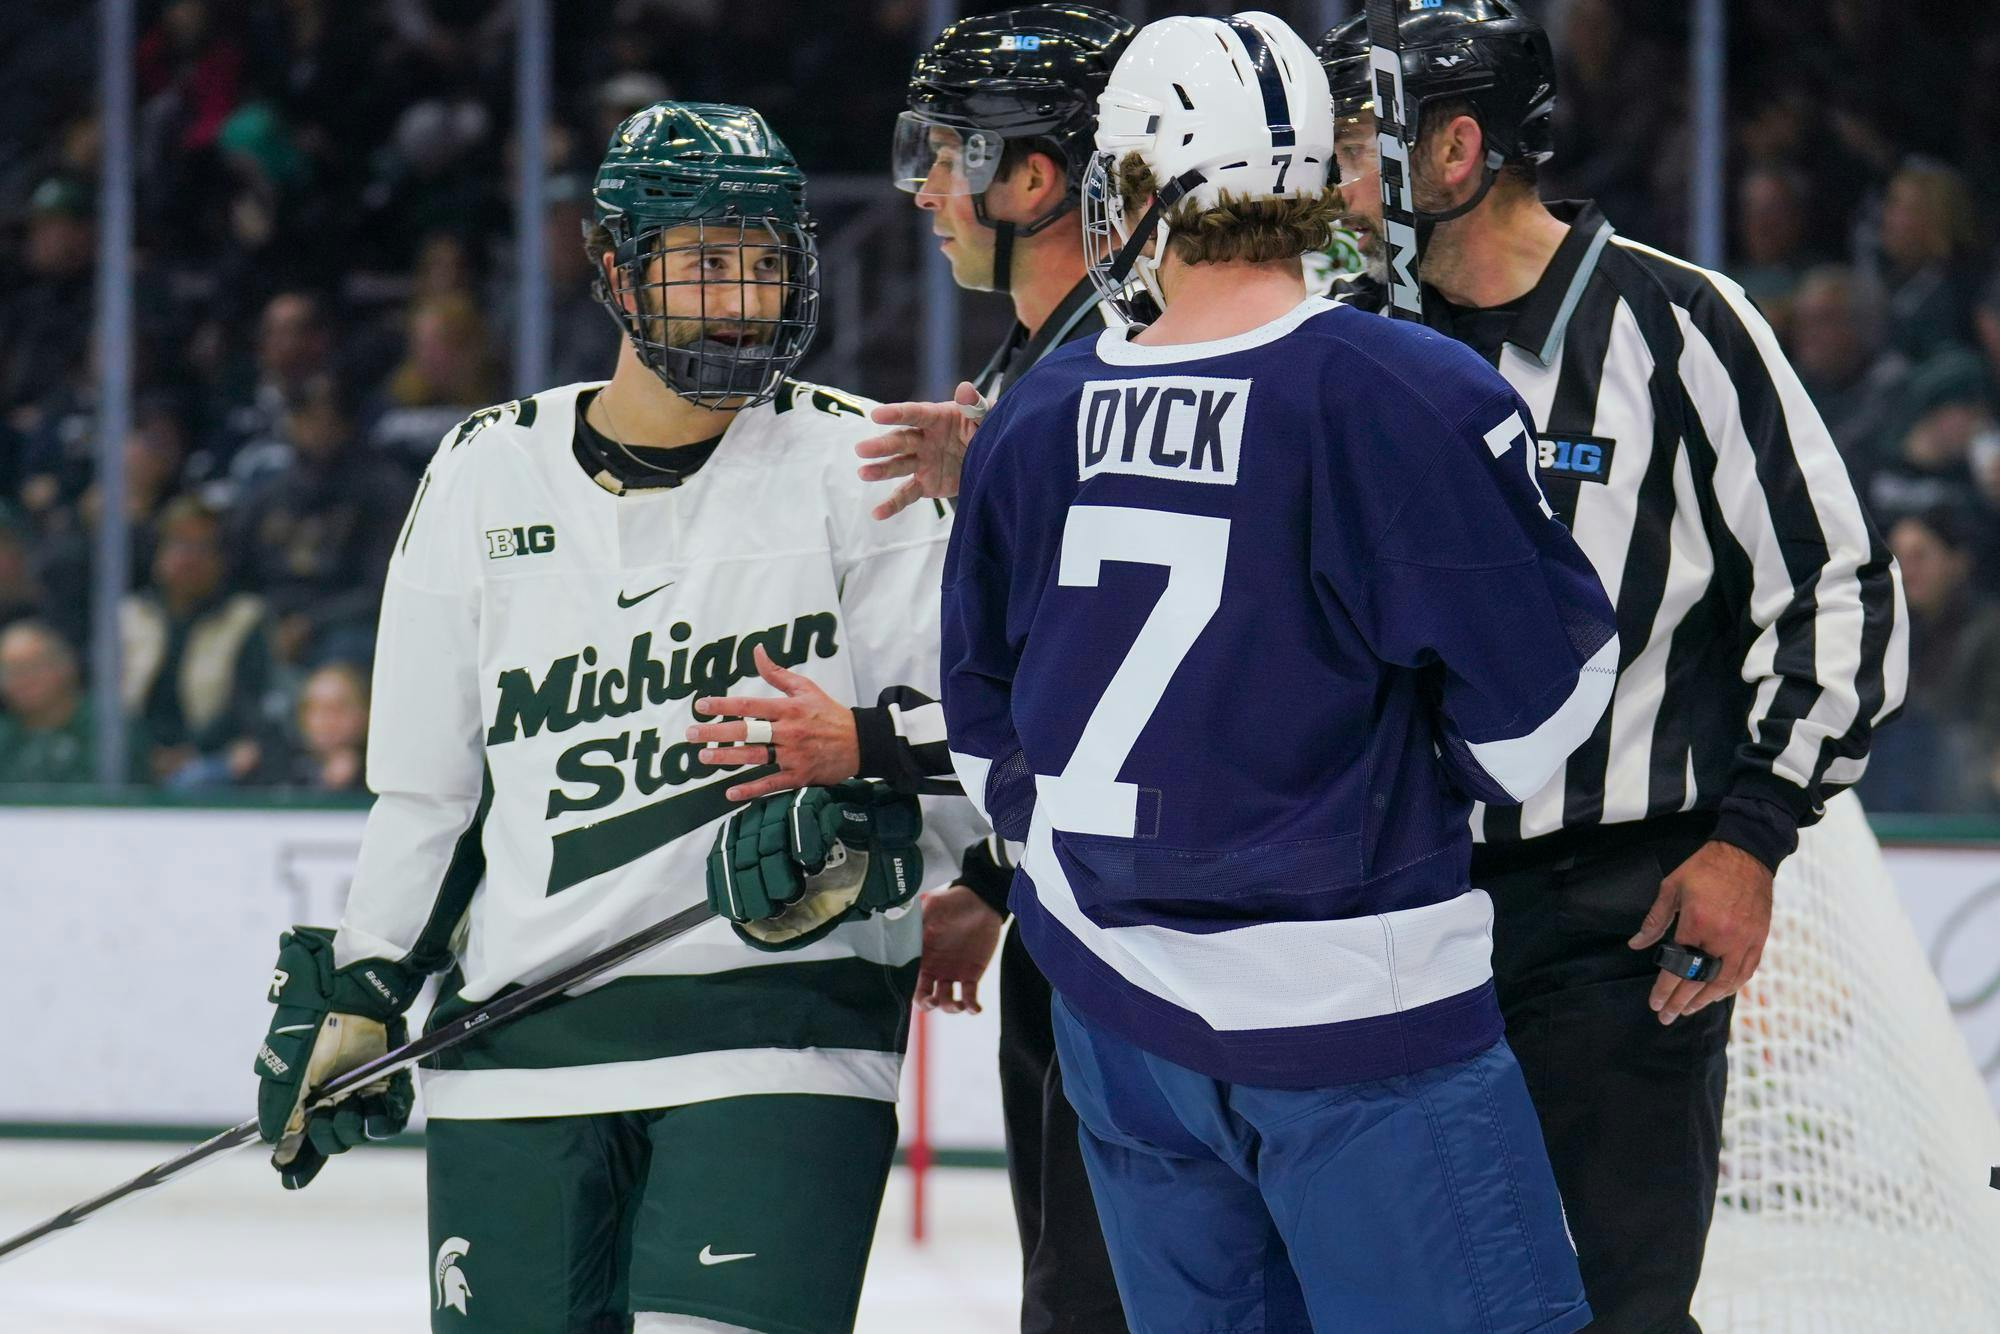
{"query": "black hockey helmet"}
{"type": "Point", "coordinates": [1485, 51]}
{"type": "Point", "coordinates": [1031, 73]}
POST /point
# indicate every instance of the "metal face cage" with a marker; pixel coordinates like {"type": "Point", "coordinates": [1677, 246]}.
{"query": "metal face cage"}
{"type": "Point", "coordinates": [1115, 247]}
{"type": "Point", "coordinates": [719, 308]}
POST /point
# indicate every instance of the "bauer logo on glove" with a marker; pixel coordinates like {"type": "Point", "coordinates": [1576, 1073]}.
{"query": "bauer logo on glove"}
{"type": "Point", "coordinates": [793, 866]}
{"type": "Point", "coordinates": [328, 1021]}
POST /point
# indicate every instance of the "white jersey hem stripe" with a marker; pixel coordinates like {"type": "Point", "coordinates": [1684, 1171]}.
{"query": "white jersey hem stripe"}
{"type": "Point", "coordinates": [1291, 974]}
{"type": "Point", "coordinates": [666, 1081]}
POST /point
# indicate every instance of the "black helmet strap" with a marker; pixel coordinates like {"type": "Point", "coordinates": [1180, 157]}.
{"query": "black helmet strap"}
{"type": "Point", "coordinates": [1004, 233]}
{"type": "Point", "coordinates": [1003, 255]}
{"type": "Point", "coordinates": [1490, 173]}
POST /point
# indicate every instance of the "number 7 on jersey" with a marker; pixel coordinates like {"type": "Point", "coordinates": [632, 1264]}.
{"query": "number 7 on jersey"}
{"type": "Point", "coordinates": [1087, 798]}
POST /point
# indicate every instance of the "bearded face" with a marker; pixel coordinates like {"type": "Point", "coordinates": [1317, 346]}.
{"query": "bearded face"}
{"type": "Point", "coordinates": [720, 308]}
{"type": "Point", "coordinates": [721, 283]}
{"type": "Point", "coordinates": [1357, 157]}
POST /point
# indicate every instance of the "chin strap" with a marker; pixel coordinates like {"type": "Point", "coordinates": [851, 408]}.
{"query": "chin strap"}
{"type": "Point", "coordinates": [1003, 255]}
{"type": "Point", "coordinates": [1004, 233]}
{"type": "Point", "coordinates": [1428, 222]}
{"type": "Point", "coordinates": [1170, 194]}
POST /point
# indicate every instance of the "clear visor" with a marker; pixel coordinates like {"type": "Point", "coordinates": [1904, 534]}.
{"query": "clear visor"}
{"type": "Point", "coordinates": [1357, 152]}
{"type": "Point", "coordinates": [934, 159]}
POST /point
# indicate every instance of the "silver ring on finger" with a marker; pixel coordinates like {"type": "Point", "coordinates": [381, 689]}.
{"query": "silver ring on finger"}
{"type": "Point", "coordinates": [757, 731]}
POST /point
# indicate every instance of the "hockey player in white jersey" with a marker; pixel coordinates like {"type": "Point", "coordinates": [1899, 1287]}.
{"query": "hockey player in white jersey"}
{"type": "Point", "coordinates": [701, 1140]}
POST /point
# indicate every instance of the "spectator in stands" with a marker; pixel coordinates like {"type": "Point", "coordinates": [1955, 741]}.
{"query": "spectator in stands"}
{"type": "Point", "coordinates": [294, 348]}
{"type": "Point", "coordinates": [190, 62]}
{"type": "Point", "coordinates": [448, 372]}
{"type": "Point", "coordinates": [1928, 243]}
{"type": "Point", "coordinates": [20, 592]}
{"type": "Point", "coordinates": [582, 341]}
{"type": "Point", "coordinates": [444, 268]}
{"type": "Point", "coordinates": [46, 730]}
{"type": "Point", "coordinates": [314, 539]}
{"type": "Point", "coordinates": [1986, 324]}
{"type": "Point", "coordinates": [45, 318]}
{"type": "Point", "coordinates": [618, 97]}
{"type": "Point", "coordinates": [1610, 138]}
{"type": "Point", "coordinates": [1837, 347]}
{"type": "Point", "coordinates": [1772, 206]}
{"type": "Point", "coordinates": [332, 725]}
{"type": "Point", "coordinates": [197, 663]}
{"type": "Point", "coordinates": [435, 175]}
{"type": "Point", "coordinates": [1948, 740]}
{"type": "Point", "coordinates": [190, 77]}
{"type": "Point", "coordinates": [154, 454]}
{"type": "Point", "coordinates": [1947, 424]}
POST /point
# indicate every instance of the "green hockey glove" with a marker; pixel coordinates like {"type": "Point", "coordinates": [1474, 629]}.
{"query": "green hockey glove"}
{"type": "Point", "coordinates": [793, 866]}
{"type": "Point", "coordinates": [328, 1021]}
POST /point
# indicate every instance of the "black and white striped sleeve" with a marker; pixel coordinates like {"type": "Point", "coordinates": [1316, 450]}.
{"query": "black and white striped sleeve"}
{"type": "Point", "coordinates": [1828, 634]}
{"type": "Point", "coordinates": [902, 743]}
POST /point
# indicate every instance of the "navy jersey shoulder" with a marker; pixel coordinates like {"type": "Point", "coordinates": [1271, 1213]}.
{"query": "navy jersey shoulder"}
{"type": "Point", "coordinates": [1398, 383]}
{"type": "Point", "coordinates": [1399, 366]}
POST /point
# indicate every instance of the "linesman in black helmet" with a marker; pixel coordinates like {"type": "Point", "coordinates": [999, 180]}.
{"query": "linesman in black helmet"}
{"type": "Point", "coordinates": [1760, 624]}
{"type": "Point", "coordinates": [993, 148]}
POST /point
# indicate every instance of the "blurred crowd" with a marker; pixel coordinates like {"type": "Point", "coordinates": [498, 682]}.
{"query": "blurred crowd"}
{"type": "Point", "coordinates": [325, 241]}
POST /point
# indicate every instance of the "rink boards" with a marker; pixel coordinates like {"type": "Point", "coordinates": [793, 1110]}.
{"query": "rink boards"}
{"type": "Point", "coordinates": [136, 942]}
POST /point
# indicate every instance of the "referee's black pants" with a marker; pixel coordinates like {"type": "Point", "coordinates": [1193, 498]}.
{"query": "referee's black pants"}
{"type": "Point", "coordinates": [1066, 1285]}
{"type": "Point", "coordinates": [1631, 1110]}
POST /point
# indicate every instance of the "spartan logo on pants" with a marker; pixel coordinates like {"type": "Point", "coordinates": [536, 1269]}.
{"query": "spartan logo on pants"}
{"type": "Point", "coordinates": [448, 1278]}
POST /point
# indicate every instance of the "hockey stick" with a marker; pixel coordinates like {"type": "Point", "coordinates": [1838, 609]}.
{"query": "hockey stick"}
{"type": "Point", "coordinates": [501, 1009]}
{"type": "Point", "coordinates": [1394, 135]}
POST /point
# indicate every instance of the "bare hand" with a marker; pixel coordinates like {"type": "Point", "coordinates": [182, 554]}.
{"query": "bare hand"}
{"type": "Point", "coordinates": [813, 741]}
{"type": "Point", "coordinates": [929, 449]}
{"type": "Point", "coordinates": [960, 934]}
{"type": "Point", "coordinates": [1723, 898]}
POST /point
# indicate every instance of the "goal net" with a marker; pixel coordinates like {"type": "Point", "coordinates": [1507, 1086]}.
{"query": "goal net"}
{"type": "Point", "coordinates": [1857, 1139]}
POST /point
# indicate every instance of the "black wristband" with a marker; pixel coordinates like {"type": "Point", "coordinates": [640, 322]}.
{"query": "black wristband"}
{"type": "Point", "coordinates": [979, 872]}
{"type": "Point", "coordinates": [875, 739]}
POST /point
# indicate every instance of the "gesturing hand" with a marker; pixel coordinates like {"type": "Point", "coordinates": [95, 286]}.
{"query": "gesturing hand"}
{"type": "Point", "coordinates": [929, 448]}
{"type": "Point", "coordinates": [1722, 896]}
{"type": "Point", "coordinates": [807, 733]}
{"type": "Point", "coordinates": [960, 933]}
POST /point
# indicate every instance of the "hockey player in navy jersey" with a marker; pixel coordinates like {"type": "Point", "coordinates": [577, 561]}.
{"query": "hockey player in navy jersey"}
{"type": "Point", "coordinates": [1242, 611]}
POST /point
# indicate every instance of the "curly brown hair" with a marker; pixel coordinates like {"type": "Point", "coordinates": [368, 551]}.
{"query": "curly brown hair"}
{"type": "Point", "coordinates": [1254, 231]}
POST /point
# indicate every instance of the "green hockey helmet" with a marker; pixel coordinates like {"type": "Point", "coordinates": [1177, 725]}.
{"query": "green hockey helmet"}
{"type": "Point", "coordinates": [714, 273]}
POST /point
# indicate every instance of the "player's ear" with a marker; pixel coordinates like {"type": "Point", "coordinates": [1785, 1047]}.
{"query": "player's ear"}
{"type": "Point", "coordinates": [1464, 150]}
{"type": "Point", "coordinates": [1047, 182]}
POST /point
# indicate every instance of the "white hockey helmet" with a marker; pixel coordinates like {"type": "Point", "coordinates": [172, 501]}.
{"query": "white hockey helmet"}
{"type": "Point", "coordinates": [1237, 104]}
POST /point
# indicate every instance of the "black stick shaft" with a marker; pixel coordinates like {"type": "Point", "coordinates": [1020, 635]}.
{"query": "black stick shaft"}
{"type": "Point", "coordinates": [1395, 135]}
{"type": "Point", "coordinates": [499, 1010]}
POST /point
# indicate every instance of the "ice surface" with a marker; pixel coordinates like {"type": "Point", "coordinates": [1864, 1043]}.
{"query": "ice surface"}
{"type": "Point", "coordinates": [226, 1251]}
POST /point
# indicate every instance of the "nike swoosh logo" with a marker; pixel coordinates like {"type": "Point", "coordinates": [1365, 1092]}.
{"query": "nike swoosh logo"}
{"type": "Point", "coordinates": [709, 1257]}
{"type": "Point", "coordinates": [295, 1028]}
{"type": "Point", "coordinates": [624, 601]}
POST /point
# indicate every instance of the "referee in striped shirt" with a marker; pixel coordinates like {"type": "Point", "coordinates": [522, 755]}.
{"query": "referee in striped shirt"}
{"type": "Point", "coordinates": [1761, 631]}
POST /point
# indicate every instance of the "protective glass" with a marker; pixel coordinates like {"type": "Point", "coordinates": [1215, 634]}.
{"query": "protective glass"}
{"type": "Point", "coordinates": [929, 158]}
{"type": "Point", "coordinates": [723, 308]}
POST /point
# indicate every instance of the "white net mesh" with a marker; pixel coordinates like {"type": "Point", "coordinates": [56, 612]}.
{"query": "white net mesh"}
{"type": "Point", "coordinates": [1857, 1137]}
